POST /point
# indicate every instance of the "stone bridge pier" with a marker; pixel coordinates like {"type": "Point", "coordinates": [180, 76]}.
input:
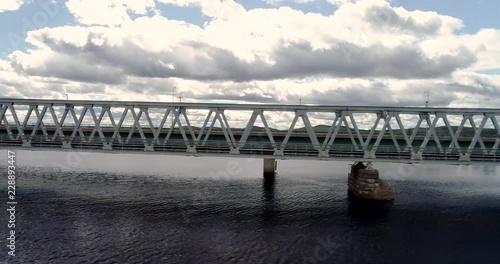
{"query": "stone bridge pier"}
{"type": "Point", "coordinates": [364, 182]}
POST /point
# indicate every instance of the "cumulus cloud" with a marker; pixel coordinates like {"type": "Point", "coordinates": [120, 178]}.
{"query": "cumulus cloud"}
{"type": "Point", "coordinates": [482, 43]}
{"type": "Point", "coordinates": [342, 2]}
{"type": "Point", "coordinates": [10, 5]}
{"type": "Point", "coordinates": [200, 61]}
{"type": "Point", "coordinates": [379, 17]}
{"type": "Point", "coordinates": [280, 43]}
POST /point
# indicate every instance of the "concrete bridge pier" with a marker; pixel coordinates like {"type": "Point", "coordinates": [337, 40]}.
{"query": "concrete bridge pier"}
{"type": "Point", "coordinates": [270, 166]}
{"type": "Point", "coordinates": [364, 183]}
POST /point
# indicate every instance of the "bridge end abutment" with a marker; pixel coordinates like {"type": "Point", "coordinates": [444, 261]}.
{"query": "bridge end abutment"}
{"type": "Point", "coordinates": [364, 183]}
{"type": "Point", "coordinates": [270, 166]}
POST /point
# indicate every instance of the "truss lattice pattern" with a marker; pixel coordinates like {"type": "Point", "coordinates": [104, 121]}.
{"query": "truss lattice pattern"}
{"type": "Point", "coordinates": [423, 133]}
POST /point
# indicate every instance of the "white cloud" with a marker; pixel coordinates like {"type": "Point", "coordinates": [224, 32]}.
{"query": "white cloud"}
{"type": "Point", "coordinates": [259, 44]}
{"type": "Point", "coordinates": [107, 12]}
{"type": "Point", "coordinates": [482, 43]}
{"type": "Point", "coordinates": [10, 5]}
{"type": "Point", "coordinates": [341, 2]}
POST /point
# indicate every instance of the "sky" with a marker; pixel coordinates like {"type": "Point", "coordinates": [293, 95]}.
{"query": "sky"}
{"type": "Point", "coordinates": [335, 52]}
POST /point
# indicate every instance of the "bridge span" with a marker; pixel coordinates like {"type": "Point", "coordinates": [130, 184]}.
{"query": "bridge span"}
{"type": "Point", "coordinates": [114, 126]}
{"type": "Point", "coordinates": [355, 133]}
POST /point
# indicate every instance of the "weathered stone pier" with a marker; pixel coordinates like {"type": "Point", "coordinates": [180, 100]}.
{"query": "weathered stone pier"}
{"type": "Point", "coordinates": [364, 183]}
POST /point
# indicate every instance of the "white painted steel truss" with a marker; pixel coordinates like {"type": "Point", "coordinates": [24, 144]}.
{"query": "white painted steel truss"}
{"type": "Point", "coordinates": [387, 135]}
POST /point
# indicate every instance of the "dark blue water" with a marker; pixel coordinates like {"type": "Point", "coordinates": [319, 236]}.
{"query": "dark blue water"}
{"type": "Point", "coordinates": [164, 209]}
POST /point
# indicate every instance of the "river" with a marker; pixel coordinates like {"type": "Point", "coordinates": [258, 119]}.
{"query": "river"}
{"type": "Point", "coordinates": [120, 208]}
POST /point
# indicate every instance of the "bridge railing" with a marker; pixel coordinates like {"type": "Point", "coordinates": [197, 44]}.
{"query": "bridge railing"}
{"type": "Point", "coordinates": [255, 149]}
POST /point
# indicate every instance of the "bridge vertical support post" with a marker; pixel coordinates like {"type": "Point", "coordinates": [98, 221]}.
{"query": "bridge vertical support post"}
{"type": "Point", "coordinates": [464, 157]}
{"type": "Point", "coordinates": [364, 182]}
{"type": "Point", "coordinates": [270, 166]}
{"type": "Point", "coordinates": [66, 144]}
{"type": "Point", "coordinates": [26, 143]}
{"type": "Point", "coordinates": [106, 146]}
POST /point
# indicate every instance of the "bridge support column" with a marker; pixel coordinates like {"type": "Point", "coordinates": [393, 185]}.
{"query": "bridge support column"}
{"type": "Point", "coordinates": [364, 183]}
{"type": "Point", "coordinates": [270, 167]}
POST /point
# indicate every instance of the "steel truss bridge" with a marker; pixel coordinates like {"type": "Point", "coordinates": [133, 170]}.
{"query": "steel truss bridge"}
{"type": "Point", "coordinates": [395, 134]}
